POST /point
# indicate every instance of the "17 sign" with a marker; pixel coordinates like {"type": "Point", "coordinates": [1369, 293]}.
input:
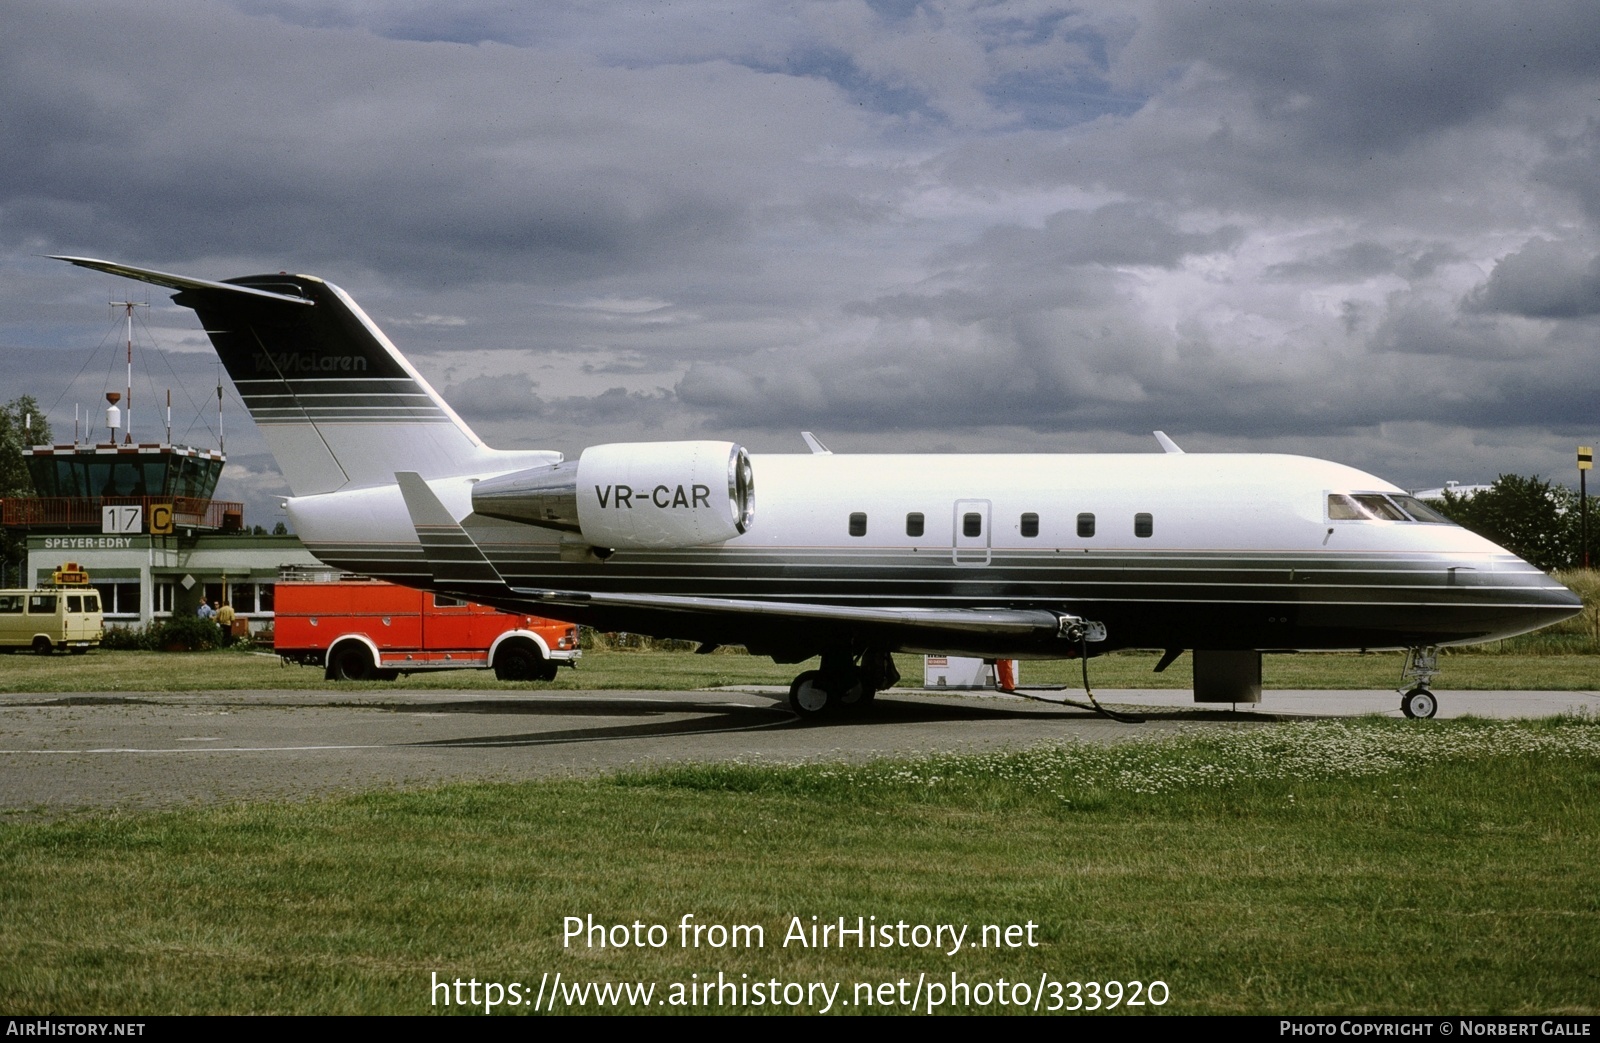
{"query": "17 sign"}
{"type": "Point", "coordinates": [121, 519]}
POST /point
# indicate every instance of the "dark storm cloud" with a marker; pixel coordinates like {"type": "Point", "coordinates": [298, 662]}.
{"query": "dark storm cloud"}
{"type": "Point", "coordinates": [1116, 234]}
{"type": "Point", "coordinates": [514, 397]}
{"type": "Point", "coordinates": [1366, 75]}
{"type": "Point", "coordinates": [1257, 224]}
{"type": "Point", "coordinates": [216, 133]}
{"type": "Point", "coordinates": [499, 397]}
{"type": "Point", "coordinates": [1573, 165]}
{"type": "Point", "coordinates": [1364, 260]}
{"type": "Point", "coordinates": [1543, 280]}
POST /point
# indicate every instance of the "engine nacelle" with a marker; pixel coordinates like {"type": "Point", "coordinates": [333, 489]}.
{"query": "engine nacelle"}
{"type": "Point", "coordinates": [632, 495]}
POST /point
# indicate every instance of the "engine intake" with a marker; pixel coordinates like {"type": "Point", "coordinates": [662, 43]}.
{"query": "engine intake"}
{"type": "Point", "coordinates": [632, 495]}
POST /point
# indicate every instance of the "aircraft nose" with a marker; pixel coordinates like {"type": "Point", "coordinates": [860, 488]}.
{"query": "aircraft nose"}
{"type": "Point", "coordinates": [1532, 598]}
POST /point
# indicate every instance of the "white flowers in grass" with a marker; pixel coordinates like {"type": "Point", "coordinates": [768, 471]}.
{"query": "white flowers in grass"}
{"type": "Point", "coordinates": [1194, 760]}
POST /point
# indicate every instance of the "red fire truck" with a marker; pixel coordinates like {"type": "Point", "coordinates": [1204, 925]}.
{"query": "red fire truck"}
{"type": "Point", "coordinates": [361, 629]}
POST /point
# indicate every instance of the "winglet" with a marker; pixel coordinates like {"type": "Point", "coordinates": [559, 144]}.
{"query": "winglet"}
{"type": "Point", "coordinates": [456, 561]}
{"type": "Point", "coordinates": [815, 444]}
{"type": "Point", "coordinates": [1167, 444]}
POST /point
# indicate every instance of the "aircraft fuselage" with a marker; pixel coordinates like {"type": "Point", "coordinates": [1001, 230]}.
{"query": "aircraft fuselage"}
{"type": "Point", "coordinates": [1168, 550]}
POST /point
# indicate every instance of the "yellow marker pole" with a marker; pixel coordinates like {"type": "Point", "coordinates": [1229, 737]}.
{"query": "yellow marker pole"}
{"type": "Point", "coordinates": [1585, 464]}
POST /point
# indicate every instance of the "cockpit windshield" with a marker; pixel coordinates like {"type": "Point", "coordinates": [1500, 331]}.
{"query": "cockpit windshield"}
{"type": "Point", "coordinates": [1382, 507]}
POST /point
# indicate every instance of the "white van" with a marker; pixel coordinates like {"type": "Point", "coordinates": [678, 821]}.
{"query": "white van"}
{"type": "Point", "coordinates": [47, 619]}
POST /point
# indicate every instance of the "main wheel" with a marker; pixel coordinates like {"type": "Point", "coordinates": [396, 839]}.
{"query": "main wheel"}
{"type": "Point", "coordinates": [351, 662]}
{"type": "Point", "coordinates": [850, 689]}
{"type": "Point", "coordinates": [808, 698]}
{"type": "Point", "coordinates": [1419, 703]}
{"type": "Point", "coordinates": [42, 646]}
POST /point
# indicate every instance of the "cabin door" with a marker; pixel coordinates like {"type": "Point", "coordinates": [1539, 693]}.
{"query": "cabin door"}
{"type": "Point", "coordinates": [971, 532]}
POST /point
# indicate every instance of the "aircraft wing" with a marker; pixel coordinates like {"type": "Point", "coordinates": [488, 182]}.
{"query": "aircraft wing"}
{"type": "Point", "coordinates": [960, 620]}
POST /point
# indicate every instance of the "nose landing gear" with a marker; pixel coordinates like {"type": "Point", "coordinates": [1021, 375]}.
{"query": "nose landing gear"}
{"type": "Point", "coordinates": [1419, 702]}
{"type": "Point", "coordinates": [1421, 666]}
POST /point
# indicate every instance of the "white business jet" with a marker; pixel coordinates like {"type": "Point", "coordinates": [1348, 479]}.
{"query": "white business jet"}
{"type": "Point", "coordinates": [850, 557]}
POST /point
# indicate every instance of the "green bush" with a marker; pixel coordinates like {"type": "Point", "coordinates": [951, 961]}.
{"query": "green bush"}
{"type": "Point", "coordinates": [188, 633]}
{"type": "Point", "coordinates": [180, 633]}
{"type": "Point", "coordinates": [130, 639]}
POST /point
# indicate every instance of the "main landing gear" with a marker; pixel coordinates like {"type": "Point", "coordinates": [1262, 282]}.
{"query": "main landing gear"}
{"type": "Point", "coordinates": [1421, 666]}
{"type": "Point", "coordinates": [841, 685]}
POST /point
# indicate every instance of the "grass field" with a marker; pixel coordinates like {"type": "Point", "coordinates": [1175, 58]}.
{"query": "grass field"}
{"type": "Point", "coordinates": [1327, 867]}
{"type": "Point", "coordinates": [1330, 867]}
{"type": "Point", "coordinates": [678, 671]}
{"type": "Point", "coordinates": [1565, 657]}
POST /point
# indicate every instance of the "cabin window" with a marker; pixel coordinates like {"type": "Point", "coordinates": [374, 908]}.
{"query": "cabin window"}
{"type": "Point", "coordinates": [42, 604]}
{"type": "Point", "coordinates": [1143, 525]}
{"type": "Point", "coordinates": [914, 523]}
{"type": "Point", "coordinates": [446, 601]}
{"type": "Point", "coordinates": [1030, 525]}
{"type": "Point", "coordinates": [10, 604]}
{"type": "Point", "coordinates": [91, 603]}
{"type": "Point", "coordinates": [858, 523]}
{"type": "Point", "coordinates": [74, 602]}
{"type": "Point", "coordinates": [1085, 525]}
{"type": "Point", "coordinates": [972, 524]}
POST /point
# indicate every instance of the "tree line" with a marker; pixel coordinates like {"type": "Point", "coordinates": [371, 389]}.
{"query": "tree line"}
{"type": "Point", "coordinates": [21, 424]}
{"type": "Point", "coordinates": [1537, 520]}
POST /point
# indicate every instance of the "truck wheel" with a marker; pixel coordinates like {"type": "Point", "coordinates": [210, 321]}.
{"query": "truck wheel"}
{"type": "Point", "coordinates": [350, 662]}
{"type": "Point", "coordinates": [41, 646]}
{"type": "Point", "coordinates": [519, 662]}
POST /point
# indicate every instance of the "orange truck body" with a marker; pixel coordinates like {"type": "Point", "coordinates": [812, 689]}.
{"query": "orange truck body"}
{"type": "Point", "coordinates": [358, 629]}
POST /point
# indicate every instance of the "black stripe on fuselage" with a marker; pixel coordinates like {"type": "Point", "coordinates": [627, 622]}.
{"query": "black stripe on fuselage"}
{"type": "Point", "coordinates": [1225, 599]}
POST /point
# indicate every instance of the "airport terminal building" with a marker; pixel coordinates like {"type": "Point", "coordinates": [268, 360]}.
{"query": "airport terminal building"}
{"type": "Point", "coordinates": [142, 578]}
{"type": "Point", "coordinates": [141, 520]}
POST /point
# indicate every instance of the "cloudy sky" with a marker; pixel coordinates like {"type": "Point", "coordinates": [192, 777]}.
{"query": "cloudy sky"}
{"type": "Point", "coordinates": [1366, 231]}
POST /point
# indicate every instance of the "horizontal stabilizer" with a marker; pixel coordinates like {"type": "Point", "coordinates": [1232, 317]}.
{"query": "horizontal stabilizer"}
{"type": "Point", "coordinates": [178, 282]}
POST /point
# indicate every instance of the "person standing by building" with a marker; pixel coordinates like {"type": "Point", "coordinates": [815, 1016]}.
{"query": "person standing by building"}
{"type": "Point", "coordinates": [225, 621]}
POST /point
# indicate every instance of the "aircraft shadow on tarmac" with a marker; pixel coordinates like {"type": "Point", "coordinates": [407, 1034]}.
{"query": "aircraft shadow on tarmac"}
{"type": "Point", "coordinates": [713, 718]}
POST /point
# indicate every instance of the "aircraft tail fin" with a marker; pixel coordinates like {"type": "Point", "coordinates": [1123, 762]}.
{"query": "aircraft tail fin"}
{"type": "Point", "coordinates": [337, 403]}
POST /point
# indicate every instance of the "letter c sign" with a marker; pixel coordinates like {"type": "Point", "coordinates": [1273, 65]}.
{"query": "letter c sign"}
{"type": "Point", "coordinates": [161, 519]}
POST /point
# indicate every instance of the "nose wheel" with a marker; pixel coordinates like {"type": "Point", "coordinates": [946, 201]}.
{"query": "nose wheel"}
{"type": "Point", "coordinates": [1419, 703]}
{"type": "Point", "coordinates": [1420, 668]}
